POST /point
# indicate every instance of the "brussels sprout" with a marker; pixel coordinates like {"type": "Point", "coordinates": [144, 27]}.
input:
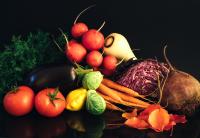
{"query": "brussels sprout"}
{"type": "Point", "coordinates": [92, 80]}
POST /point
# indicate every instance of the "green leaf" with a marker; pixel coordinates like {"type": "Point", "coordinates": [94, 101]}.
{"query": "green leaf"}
{"type": "Point", "coordinates": [23, 54]}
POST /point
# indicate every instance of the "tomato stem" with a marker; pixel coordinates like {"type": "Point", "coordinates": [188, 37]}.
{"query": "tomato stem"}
{"type": "Point", "coordinates": [52, 96]}
{"type": "Point", "coordinates": [14, 89]}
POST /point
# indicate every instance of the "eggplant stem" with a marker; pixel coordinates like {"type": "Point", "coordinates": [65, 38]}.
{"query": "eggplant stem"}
{"type": "Point", "coordinates": [101, 26]}
{"type": "Point", "coordinates": [167, 60]}
{"type": "Point", "coordinates": [82, 13]}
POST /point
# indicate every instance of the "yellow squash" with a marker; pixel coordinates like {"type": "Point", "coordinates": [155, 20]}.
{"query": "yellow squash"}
{"type": "Point", "coordinates": [76, 99]}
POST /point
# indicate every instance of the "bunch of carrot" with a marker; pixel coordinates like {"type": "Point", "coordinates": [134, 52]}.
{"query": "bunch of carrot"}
{"type": "Point", "coordinates": [114, 94]}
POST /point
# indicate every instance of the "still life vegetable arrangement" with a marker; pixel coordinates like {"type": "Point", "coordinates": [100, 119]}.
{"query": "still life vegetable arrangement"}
{"type": "Point", "coordinates": [101, 74]}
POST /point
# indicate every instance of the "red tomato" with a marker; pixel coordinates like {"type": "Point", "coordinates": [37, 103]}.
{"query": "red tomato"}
{"type": "Point", "coordinates": [49, 102]}
{"type": "Point", "coordinates": [19, 102]}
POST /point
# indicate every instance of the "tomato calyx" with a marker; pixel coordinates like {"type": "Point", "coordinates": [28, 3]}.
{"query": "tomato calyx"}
{"type": "Point", "coordinates": [52, 96]}
{"type": "Point", "coordinates": [14, 90]}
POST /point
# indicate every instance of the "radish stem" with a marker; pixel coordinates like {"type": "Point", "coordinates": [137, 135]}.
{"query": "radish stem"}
{"type": "Point", "coordinates": [101, 26]}
{"type": "Point", "coordinates": [82, 13]}
{"type": "Point", "coordinates": [57, 44]}
{"type": "Point", "coordinates": [64, 35]}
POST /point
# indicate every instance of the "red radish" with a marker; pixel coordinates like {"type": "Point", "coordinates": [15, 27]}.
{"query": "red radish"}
{"type": "Point", "coordinates": [72, 42]}
{"type": "Point", "coordinates": [94, 58]}
{"type": "Point", "coordinates": [109, 62]}
{"type": "Point", "coordinates": [74, 51]}
{"type": "Point", "coordinates": [78, 29]}
{"type": "Point", "coordinates": [93, 39]}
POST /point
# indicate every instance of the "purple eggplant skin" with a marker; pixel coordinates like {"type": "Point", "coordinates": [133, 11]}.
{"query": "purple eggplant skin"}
{"type": "Point", "coordinates": [62, 76]}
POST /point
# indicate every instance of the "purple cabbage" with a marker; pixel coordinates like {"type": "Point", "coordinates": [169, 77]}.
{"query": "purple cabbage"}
{"type": "Point", "coordinates": [143, 76]}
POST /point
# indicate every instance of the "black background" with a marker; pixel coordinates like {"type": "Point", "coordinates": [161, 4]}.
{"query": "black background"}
{"type": "Point", "coordinates": [148, 25]}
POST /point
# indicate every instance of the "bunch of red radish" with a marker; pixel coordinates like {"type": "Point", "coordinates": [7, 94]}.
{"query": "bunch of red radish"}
{"type": "Point", "coordinates": [90, 47]}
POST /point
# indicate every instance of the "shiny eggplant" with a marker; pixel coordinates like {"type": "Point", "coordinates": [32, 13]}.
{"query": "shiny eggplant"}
{"type": "Point", "coordinates": [62, 76]}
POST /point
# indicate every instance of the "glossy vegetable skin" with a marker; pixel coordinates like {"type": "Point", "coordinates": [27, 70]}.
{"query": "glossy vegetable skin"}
{"type": "Point", "coordinates": [20, 101]}
{"type": "Point", "coordinates": [51, 76]}
{"type": "Point", "coordinates": [49, 102]}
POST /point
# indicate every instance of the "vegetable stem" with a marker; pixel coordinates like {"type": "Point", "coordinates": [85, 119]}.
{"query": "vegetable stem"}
{"type": "Point", "coordinates": [167, 60]}
{"type": "Point", "coordinates": [101, 26]}
{"type": "Point", "coordinates": [67, 42]}
{"type": "Point", "coordinates": [82, 13]}
{"type": "Point", "coordinates": [61, 50]}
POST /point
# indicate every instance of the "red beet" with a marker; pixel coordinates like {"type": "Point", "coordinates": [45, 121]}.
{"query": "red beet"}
{"type": "Point", "coordinates": [181, 91]}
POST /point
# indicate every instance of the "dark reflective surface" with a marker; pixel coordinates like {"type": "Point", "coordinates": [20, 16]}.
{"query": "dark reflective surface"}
{"type": "Point", "coordinates": [148, 26]}
{"type": "Point", "coordinates": [84, 125]}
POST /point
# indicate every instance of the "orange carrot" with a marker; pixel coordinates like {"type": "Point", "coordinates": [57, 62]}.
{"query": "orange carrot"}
{"type": "Point", "coordinates": [130, 99]}
{"type": "Point", "coordinates": [110, 92]}
{"type": "Point", "coordinates": [111, 106]}
{"type": "Point", "coordinates": [107, 98]}
{"type": "Point", "coordinates": [121, 88]}
{"type": "Point", "coordinates": [130, 104]}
